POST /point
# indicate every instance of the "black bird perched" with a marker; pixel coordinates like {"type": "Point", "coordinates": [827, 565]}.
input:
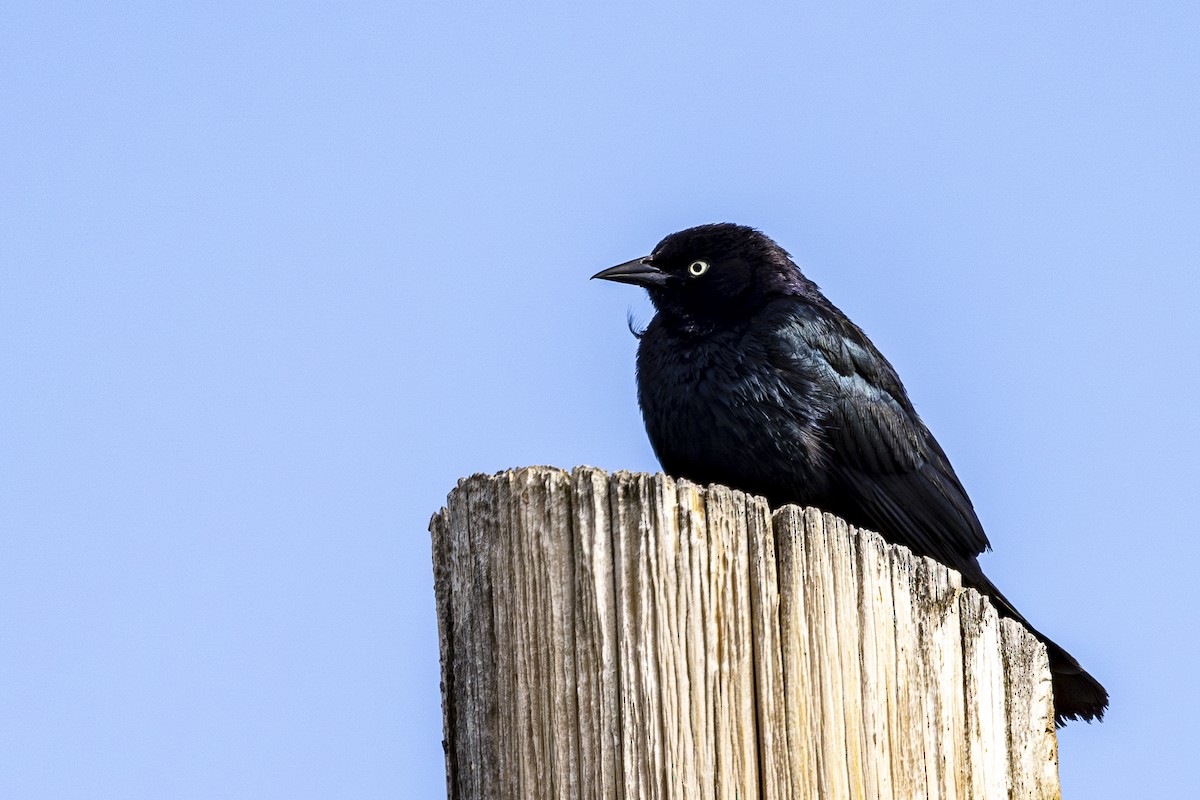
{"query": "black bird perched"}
{"type": "Point", "coordinates": [749, 377]}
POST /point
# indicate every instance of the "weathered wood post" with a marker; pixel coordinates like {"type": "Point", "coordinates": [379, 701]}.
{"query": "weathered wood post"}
{"type": "Point", "coordinates": [628, 636]}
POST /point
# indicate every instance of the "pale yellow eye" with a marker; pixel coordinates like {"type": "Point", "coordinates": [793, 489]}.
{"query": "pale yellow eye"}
{"type": "Point", "coordinates": [697, 268]}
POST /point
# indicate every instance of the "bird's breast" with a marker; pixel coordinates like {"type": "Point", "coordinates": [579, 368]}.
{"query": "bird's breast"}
{"type": "Point", "coordinates": [717, 411]}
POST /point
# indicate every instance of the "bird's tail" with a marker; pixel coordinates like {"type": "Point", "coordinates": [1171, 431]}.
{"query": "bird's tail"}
{"type": "Point", "coordinates": [1077, 695]}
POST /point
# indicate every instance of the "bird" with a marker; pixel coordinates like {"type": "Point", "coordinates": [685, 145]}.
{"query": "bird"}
{"type": "Point", "coordinates": [749, 377]}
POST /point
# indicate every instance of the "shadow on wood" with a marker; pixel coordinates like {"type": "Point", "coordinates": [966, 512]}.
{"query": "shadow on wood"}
{"type": "Point", "coordinates": [630, 636]}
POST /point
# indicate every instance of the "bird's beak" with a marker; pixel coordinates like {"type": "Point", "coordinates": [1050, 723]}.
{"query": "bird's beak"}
{"type": "Point", "coordinates": [639, 272]}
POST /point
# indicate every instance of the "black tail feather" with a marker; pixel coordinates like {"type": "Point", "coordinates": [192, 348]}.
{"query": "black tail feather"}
{"type": "Point", "coordinates": [1077, 695]}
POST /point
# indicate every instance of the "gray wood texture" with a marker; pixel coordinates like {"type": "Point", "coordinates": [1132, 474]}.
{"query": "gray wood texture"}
{"type": "Point", "coordinates": [631, 636]}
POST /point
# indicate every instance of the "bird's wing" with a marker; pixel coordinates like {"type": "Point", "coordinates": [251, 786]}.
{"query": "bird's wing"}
{"type": "Point", "coordinates": [888, 472]}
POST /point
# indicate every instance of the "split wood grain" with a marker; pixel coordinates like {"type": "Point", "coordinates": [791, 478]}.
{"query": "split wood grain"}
{"type": "Point", "coordinates": [630, 636]}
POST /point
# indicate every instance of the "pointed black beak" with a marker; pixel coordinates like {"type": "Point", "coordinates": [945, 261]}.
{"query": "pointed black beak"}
{"type": "Point", "coordinates": [639, 272]}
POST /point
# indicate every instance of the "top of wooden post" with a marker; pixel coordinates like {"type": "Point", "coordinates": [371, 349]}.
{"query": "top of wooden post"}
{"type": "Point", "coordinates": [630, 636]}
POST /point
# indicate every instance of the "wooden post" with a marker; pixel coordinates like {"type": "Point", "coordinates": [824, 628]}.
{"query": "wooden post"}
{"type": "Point", "coordinates": [629, 636]}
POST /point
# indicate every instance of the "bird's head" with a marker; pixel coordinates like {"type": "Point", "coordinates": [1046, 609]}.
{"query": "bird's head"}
{"type": "Point", "coordinates": [714, 272]}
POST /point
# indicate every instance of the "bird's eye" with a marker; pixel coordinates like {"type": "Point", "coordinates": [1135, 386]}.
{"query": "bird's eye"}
{"type": "Point", "coordinates": [697, 268]}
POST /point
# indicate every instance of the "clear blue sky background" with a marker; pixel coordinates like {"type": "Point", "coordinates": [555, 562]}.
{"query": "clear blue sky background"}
{"type": "Point", "coordinates": [273, 277]}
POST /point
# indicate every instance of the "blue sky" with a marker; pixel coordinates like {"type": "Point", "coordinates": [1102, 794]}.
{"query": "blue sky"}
{"type": "Point", "coordinates": [274, 276]}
